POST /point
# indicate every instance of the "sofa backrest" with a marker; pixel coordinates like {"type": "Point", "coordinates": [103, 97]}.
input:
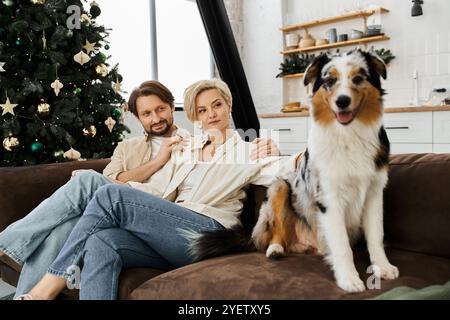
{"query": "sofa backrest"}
{"type": "Point", "coordinates": [23, 188]}
{"type": "Point", "coordinates": [416, 199]}
{"type": "Point", "coordinates": [417, 204]}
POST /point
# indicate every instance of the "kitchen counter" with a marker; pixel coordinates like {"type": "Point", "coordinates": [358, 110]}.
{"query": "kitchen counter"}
{"type": "Point", "coordinates": [386, 110]}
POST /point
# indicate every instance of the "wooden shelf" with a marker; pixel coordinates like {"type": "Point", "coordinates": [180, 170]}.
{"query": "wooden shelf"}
{"type": "Point", "coordinates": [338, 44]}
{"type": "Point", "coordinates": [295, 75]}
{"type": "Point", "coordinates": [347, 16]}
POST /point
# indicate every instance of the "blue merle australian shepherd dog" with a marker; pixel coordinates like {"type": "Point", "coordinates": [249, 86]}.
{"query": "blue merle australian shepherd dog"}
{"type": "Point", "coordinates": [336, 191]}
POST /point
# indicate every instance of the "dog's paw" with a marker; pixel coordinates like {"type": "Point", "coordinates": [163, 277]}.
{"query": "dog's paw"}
{"type": "Point", "coordinates": [386, 271]}
{"type": "Point", "coordinates": [351, 283]}
{"type": "Point", "coordinates": [275, 251]}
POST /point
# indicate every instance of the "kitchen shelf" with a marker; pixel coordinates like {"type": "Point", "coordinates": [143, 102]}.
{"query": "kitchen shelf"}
{"type": "Point", "coordinates": [338, 44]}
{"type": "Point", "coordinates": [295, 75]}
{"type": "Point", "coordinates": [347, 16]}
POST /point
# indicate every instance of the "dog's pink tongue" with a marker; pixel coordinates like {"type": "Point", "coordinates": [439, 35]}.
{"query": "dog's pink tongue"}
{"type": "Point", "coordinates": [344, 117]}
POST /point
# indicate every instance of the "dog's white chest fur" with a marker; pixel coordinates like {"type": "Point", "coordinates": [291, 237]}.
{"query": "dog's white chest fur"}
{"type": "Point", "coordinates": [340, 170]}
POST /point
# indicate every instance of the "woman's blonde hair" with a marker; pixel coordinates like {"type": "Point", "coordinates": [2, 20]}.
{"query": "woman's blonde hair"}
{"type": "Point", "coordinates": [191, 93]}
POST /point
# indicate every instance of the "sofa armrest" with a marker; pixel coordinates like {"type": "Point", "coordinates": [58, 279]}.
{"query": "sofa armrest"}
{"type": "Point", "coordinates": [23, 188]}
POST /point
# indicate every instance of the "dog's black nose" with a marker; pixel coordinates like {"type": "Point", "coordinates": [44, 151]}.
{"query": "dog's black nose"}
{"type": "Point", "coordinates": [343, 101]}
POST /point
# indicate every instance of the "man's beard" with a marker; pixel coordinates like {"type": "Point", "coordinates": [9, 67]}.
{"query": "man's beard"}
{"type": "Point", "coordinates": [162, 132]}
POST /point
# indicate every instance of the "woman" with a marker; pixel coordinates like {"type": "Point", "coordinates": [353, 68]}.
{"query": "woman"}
{"type": "Point", "coordinates": [206, 193]}
{"type": "Point", "coordinates": [35, 241]}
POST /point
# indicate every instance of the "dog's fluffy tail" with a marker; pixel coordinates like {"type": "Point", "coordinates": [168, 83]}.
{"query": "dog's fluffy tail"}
{"type": "Point", "coordinates": [211, 244]}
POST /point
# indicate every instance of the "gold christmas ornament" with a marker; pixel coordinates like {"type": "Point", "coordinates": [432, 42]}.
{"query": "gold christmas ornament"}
{"type": "Point", "coordinates": [117, 86]}
{"type": "Point", "coordinates": [81, 58]}
{"type": "Point", "coordinates": [44, 40]}
{"type": "Point", "coordinates": [102, 70]}
{"type": "Point", "coordinates": [2, 64]}
{"type": "Point", "coordinates": [72, 154]}
{"type": "Point", "coordinates": [10, 143]}
{"type": "Point", "coordinates": [110, 123]}
{"type": "Point", "coordinates": [43, 109]}
{"type": "Point", "coordinates": [38, 2]}
{"type": "Point", "coordinates": [8, 107]}
{"type": "Point", "coordinates": [85, 19]}
{"type": "Point", "coordinates": [90, 47]}
{"type": "Point", "coordinates": [90, 132]}
{"type": "Point", "coordinates": [57, 86]}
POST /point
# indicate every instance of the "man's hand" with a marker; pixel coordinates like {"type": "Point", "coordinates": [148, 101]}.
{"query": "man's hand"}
{"type": "Point", "coordinates": [264, 148]}
{"type": "Point", "coordinates": [168, 145]}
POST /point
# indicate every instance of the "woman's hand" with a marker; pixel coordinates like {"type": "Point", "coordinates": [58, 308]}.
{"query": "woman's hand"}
{"type": "Point", "coordinates": [264, 148]}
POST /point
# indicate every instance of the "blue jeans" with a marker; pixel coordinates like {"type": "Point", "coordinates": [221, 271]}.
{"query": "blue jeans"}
{"type": "Point", "coordinates": [35, 241]}
{"type": "Point", "coordinates": [150, 232]}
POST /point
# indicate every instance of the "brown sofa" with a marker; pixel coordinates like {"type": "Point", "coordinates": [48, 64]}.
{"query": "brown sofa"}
{"type": "Point", "coordinates": [417, 224]}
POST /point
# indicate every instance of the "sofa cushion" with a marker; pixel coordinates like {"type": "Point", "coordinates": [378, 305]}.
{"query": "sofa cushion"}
{"type": "Point", "coordinates": [417, 205]}
{"type": "Point", "coordinates": [253, 276]}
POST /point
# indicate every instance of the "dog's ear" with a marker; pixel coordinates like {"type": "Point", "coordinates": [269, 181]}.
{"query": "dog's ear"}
{"type": "Point", "coordinates": [314, 69]}
{"type": "Point", "coordinates": [375, 63]}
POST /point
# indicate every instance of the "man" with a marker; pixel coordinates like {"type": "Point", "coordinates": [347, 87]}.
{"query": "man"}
{"type": "Point", "coordinates": [36, 240]}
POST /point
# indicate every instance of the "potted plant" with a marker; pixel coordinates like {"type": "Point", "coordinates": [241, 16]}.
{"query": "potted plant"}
{"type": "Point", "coordinates": [295, 63]}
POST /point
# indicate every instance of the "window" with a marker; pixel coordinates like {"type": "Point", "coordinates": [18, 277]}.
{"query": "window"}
{"type": "Point", "coordinates": [184, 55]}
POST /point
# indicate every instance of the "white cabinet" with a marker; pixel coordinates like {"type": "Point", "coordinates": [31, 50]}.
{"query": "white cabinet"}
{"type": "Point", "coordinates": [408, 132]}
{"type": "Point", "coordinates": [409, 127]}
{"type": "Point", "coordinates": [291, 134]}
{"type": "Point", "coordinates": [397, 148]}
{"type": "Point", "coordinates": [441, 127]}
{"type": "Point", "coordinates": [441, 148]}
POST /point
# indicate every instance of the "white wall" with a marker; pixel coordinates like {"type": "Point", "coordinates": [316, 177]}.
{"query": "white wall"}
{"type": "Point", "coordinates": [421, 43]}
{"type": "Point", "coordinates": [260, 55]}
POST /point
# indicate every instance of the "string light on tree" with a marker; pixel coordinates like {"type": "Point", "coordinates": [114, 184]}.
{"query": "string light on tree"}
{"type": "Point", "coordinates": [58, 154]}
{"type": "Point", "coordinates": [39, 2]}
{"type": "Point", "coordinates": [8, 3]}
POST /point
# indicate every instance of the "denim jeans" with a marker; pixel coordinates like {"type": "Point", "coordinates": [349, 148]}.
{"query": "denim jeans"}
{"type": "Point", "coordinates": [151, 234]}
{"type": "Point", "coordinates": [35, 241]}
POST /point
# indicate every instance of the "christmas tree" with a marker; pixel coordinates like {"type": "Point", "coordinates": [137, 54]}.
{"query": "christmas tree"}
{"type": "Point", "coordinates": [59, 98]}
